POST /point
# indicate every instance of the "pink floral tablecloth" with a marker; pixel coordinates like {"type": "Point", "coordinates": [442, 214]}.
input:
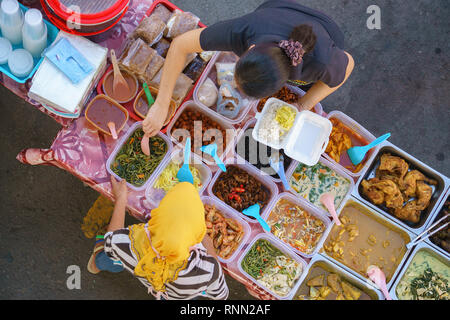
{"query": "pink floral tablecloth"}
{"type": "Point", "coordinates": [83, 151]}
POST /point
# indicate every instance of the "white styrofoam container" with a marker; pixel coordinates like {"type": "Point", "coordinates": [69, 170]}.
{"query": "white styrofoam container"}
{"type": "Point", "coordinates": [305, 141]}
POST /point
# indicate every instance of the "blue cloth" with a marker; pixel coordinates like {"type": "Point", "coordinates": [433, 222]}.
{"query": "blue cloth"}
{"type": "Point", "coordinates": [69, 60]}
{"type": "Point", "coordinates": [105, 263]}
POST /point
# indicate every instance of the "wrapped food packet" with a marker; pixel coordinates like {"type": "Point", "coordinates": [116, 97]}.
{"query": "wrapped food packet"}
{"type": "Point", "coordinates": [195, 68]}
{"type": "Point", "coordinates": [150, 30]}
{"type": "Point", "coordinates": [153, 67]}
{"type": "Point", "coordinates": [182, 87]}
{"type": "Point", "coordinates": [136, 57]}
{"type": "Point", "coordinates": [225, 73]}
{"type": "Point", "coordinates": [162, 12]}
{"type": "Point", "coordinates": [179, 23]}
{"type": "Point", "coordinates": [162, 47]}
{"type": "Point", "coordinates": [229, 102]}
{"type": "Point", "coordinates": [189, 58]}
{"type": "Point", "coordinates": [207, 55]}
{"type": "Point", "coordinates": [207, 93]}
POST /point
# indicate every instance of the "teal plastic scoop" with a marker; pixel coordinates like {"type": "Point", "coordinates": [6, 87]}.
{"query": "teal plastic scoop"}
{"type": "Point", "coordinates": [357, 154]}
{"type": "Point", "coordinates": [184, 174]}
{"type": "Point", "coordinates": [278, 166]}
{"type": "Point", "coordinates": [253, 211]}
{"type": "Point", "coordinates": [211, 149]}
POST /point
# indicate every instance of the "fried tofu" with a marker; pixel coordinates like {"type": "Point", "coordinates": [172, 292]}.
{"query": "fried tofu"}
{"type": "Point", "coordinates": [316, 282]}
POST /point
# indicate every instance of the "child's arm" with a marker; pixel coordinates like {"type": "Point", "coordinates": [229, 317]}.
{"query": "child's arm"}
{"type": "Point", "coordinates": [121, 194]}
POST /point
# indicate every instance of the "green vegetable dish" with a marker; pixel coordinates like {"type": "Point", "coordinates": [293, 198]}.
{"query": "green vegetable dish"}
{"type": "Point", "coordinates": [271, 268]}
{"type": "Point", "coordinates": [312, 182]}
{"type": "Point", "coordinates": [133, 165]}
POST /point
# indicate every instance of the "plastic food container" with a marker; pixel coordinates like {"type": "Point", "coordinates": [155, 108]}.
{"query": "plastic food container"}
{"type": "Point", "coordinates": [283, 248]}
{"type": "Point", "coordinates": [154, 195]}
{"type": "Point", "coordinates": [423, 246]}
{"type": "Point", "coordinates": [249, 124]}
{"type": "Point", "coordinates": [336, 169]}
{"type": "Point", "coordinates": [231, 132]}
{"type": "Point", "coordinates": [358, 129]}
{"type": "Point", "coordinates": [310, 209]}
{"type": "Point", "coordinates": [113, 104]}
{"type": "Point", "coordinates": [269, 184]}
{"type": "Point", "coordinates": [327, 265]}
{"type": "Point", "coordinates": [438, 190]}
{"type": "Point", "coordinates": [119, 145]}
{"type": "Point", "coordinates": [227, 213]}
{"type": "Point", "coordinates": [108, 89]}
{"type": "Point", "coordinates": [392, 226]}
{"type": "Point", "coordinates": [210, 72]}
{"type": "Point", "coordinates": [154, 92]}
{"type": "Point", "coordinates": [306, 140]}
{"type": "Point", "coordinates": [52, 33]}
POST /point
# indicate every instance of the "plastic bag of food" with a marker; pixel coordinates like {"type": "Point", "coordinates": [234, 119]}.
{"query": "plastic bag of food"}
{"type": "Point", "coordinates": [195, 68]}
{"type": "Point", "coordinates": [230, 101]}
{"type": "Point", "coordinates": [179, 23]}
{"type": "Point", "coordinates": [162, 12]}
{"type": "Point", "coordinates": [225, 73]}
{"type": "Point", "coordinates": [207, 55]}
{"type": "Point", "coordinates": [136, 57]}
{"type": "Point", "coordinates": [162, 47]}
{"type": "Point", "coordinates": [153, 67]}
{"type": "Point", "coordinates": [207, 93]}
{"type": "Point", "coordinates": [182, 87]}
{"type": "Point", "coordinates": [150, 30]}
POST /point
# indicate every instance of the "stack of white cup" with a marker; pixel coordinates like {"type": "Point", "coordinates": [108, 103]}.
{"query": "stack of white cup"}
{"type": "Point", "coordinates": [11, 21]}
{"type": "Point", "coordinates": [34, 33]}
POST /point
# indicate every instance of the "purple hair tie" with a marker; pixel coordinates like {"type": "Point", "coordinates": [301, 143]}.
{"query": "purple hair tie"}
{"type": "Point", "coordinates": [293, 49]}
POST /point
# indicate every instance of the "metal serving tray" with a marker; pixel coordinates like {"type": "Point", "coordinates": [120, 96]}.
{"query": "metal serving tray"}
{"type": "Point", "coordinates": [438, 191]}
{"type": "Point", "coordinates": [388, 223]}
{"type": "Point", "coordinates": [419, 247]}
{"type": "Point", "coordinates": [328, 265]}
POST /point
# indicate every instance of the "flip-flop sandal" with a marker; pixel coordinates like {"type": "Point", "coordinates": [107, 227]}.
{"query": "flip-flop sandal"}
{"type": "Point", "coordinates": [92, 268]}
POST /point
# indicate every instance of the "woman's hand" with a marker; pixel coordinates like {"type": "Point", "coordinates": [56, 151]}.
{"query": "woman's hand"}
{"type": "Point", "coordinates": [155, 119]}
{"type": "Point", "coordinates": [119, 189]}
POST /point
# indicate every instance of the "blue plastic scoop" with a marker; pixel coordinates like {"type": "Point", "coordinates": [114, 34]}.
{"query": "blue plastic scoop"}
{"type": "Point", "coordinates": [357, 154]}
{"type": "Point", "coordinates": [184, 174]}
{"type": "Point", "coordinates": [278, 166]}
{"type": "Point", "coordinates": [253, 211]}
{"type": "Point", "coordinates": [211, 149]}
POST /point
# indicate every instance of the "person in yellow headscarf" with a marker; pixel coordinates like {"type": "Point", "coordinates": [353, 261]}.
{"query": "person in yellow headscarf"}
{"type": "Point", "coordinates": [171, 253]}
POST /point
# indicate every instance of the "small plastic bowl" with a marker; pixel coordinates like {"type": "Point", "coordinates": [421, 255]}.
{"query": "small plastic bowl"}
{"type": "Point", "coordinates": [112, 103]}
{"type": "Point", "coordinates": [154, 92]}
{"type": "Point", "coordinates": [20, 62]}
{"type": "Point", "coordinates": [5, 50]}
{"type": "Point", "coordinates": [110, 78]}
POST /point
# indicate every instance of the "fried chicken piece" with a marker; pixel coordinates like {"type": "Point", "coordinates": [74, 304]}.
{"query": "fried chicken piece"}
{"type": "Point", "coordinates": [392, 168]}
{"type": "Point", "coordinates": [423, 194]}
{"type": "Point", "coordinates": [409, 212]}
{"type": "Point", "coordinates": [410, 181]}
{"type": "Point", "coordinates": [383, 191]}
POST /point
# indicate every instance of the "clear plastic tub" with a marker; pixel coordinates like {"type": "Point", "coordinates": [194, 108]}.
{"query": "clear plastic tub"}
{"type": "Point", "coordinates": [359, 130]}
{"type": "Point", "coordinates": [154, 195]}
{"type": "Point", "coordinates": [226, 212]}
{"type": "Point", "coordinates": [286, 250]}
{"type": "Point", "coordinates": [230, 130]}
{"type": "Point", "coordinates": [251, 124]}
{"type": "Point", "coordinates": [210, 72]}
{"type": "Point", "coordinates": [310, 209]}
{"type": "Point", "coordinates": [336, 169]}
{"type": "Point", "coordinates": [268, 183]}
{"type": "Point", "coordinates": [119, 145]}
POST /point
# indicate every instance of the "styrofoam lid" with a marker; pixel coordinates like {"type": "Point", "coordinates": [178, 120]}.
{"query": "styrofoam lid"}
{"type": "Point", "coordinates": [5, 50]}
{"type": "Point", "coordinates": [308, 138]}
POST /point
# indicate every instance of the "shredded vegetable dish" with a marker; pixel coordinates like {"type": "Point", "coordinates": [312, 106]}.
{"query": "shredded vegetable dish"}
{"type": "Point", "coordinates": [133, 165]}
{"type": "Point", "coordinates": [295, 226]}
{"type": "Point", "coordinates": [168, 177]}
{"type": "Point", "coordinates": [271, 267]}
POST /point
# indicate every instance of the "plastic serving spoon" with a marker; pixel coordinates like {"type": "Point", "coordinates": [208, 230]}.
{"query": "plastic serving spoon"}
{"type": "Point", "coordinates": [119, 82]}
{"type": "Point", "coordinates": [328, 201]}
{"type": "Point", "coordinates": [253, 211]}
{"type": "Point", "coordinates": [357, 154]}
{"type": "Point", "coordinates": [211, 149]}
{"type": "Point", "coordinates": [112, 128]}
{"type": "Point", "coordinates": [378, 277]}
{"type": "Point", "coordinates": [145, 143]}
{"type": "Point", "coordinates": [184, 174]}
{"type": "Point", "coordinates": [150, 99]}
{"type": "Point", "coordinates": [278, 166]}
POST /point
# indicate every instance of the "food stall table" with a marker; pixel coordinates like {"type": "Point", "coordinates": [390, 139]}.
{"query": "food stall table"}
{"type": "Point", "coordinates": [83, 151]}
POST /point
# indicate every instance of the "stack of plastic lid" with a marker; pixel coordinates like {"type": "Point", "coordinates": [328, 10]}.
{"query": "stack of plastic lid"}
{"type": "Point", "coordinates": [85, 17]}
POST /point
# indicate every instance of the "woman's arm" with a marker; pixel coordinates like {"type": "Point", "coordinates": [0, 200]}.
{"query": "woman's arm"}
{"type": "Point", "coordinates": [121, 194]}
{"type": "Point", "coordinates": [180, 47]}
{"type": "Point", "coordinates": [209, 246]}
{"type": "Point", "coordinates": [320, 90]}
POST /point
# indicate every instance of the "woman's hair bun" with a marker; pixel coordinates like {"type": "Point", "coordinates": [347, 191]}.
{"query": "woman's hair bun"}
{"type": "Point", "coordinates": [305, 35]}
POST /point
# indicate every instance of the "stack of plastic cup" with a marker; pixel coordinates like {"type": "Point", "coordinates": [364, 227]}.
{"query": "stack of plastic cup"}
{"type": "Point", "coordinates": [5, 50]}
{"type": "Point", "coordinates": [11, 21]}
{"type": "Point", "coordinates": [20, 62]}
{"type": "Point", "coordinates": [34, 33]}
